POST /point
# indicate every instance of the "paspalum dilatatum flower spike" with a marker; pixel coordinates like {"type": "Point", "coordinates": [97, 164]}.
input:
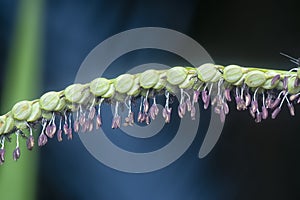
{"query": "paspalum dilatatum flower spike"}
{"type": "Point", "coordinates": [78, 107]}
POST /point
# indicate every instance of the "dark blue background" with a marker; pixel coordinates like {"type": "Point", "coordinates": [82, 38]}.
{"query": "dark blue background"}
{"type": "Point", "coordinates": [250, 161]}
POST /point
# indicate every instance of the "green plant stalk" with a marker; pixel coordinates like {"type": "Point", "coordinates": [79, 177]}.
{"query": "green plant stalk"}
{"type": "Point", "coordinates": [251, 87]}
{"type": "Point", "coordinates": [18, 180]}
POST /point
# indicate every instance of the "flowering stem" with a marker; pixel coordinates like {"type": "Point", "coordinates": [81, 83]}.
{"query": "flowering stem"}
{"type": "Point", "coordinates": [260, 90]}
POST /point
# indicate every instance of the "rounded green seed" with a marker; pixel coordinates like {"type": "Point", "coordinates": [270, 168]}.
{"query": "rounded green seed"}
{"type": "Point", "coordinates": [162, 81]}
{"type": "Point", "coordinates": [135, 89]}
{"type": "Point", "coordinates": [2, 123]}
{"type": "Point", "coordinates": [21, 125]}
{"type": "Point", "coordinates": [36, 112]}
{"type": "Point", "coordinates": [110, 92]}
{"type": "Point", "coordinates": [217, 77]}
{"type": "Point", "coordinates": [85, 96]}
{"type": "Point", "coordinates": [206, 72]}
{"type": "Point", "coordinates": [47, 115]}
{"type": "Point", "coordinates": [268, 84]}
{"type": "Point", "coordinates": [255, 78]}
{"type": "Point", "coordinates": [176, 75]}
{"type": "Point", "coordinates": [9, 124]}
{"type": "Point", "coordinates": [123, 83]}
{"type": "Point", "coordinates": [99, 86]}
{"type": "Point", "coordinates": [172, 88]}
{"type": "Point", "coordinates": [21, 110]}
{"type": "Point", "coordinates": [188, 82]}
{"type": "Point", "coordinates": [61, 104]}
{"type": "Point", "coordinates": [232, 73]}
{"type": "Point", "coordinates": [49, 101]}
{"type": "Point", "coordinates": [149, 78]}
{"type": "Point", "coordinates": [291, 86]}
{"type": "Point", "coordinates": [73, 93]}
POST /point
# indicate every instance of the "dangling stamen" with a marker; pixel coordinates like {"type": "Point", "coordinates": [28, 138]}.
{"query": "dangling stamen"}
{"type": "Point", "coordinates": [69, 135]}
{"type": "Point", "coordinates": [98, 118]}
{"type": "Point", "coordinates": [92, 111]}
{"type": "Point", "coordinates": [140, 114]}
{"type": "Point", "coordinates": [264, 109]}
{"type": "Point", "coordinates": [43, 138]}
{"type": "Point", "coordinates": [30, 139]}
{"type": "Point", "coordinates": [17, 152]}
{"type": "Point", "coordinates": [167, 111]}
{"type": "Point", "coordinates": [153, 111]}
{"type": "Point", "coordinates": [76, 122]}
{"type": "Point", "coordinates": [182, 105]}
{"type": "Point", "coordinates": [129, 120]}
{"type": "Point", "coordinates": [116, 123]}
{"type": "Point", "coordinates": [59, 132]}
{"type": "Point", "coordinates": [2, 151]}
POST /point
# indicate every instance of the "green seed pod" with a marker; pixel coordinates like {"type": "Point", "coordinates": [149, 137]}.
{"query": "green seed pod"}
{"type": "Point", "coordinates": [21, 110]}
{"type": "Point", "coordinates": [255, 78]}
{"type": "Point", "coordinates": [240, 81]}
{"type": "Point", "coordinates": [85, 96]}
{"type": "Point", "coordinates": [110, 92]}
{"type": "Point", "coordinates": [123, 83]}
{"type": "Point", "coordinates": [61, 104]}
{"type": "Point", "coordinates": [162, 81]}
{"type": "Point", "coordinates": [232, 73]}
{"type": "Point", "coordinates": [2, 124]}
{"type": "Point", "coordinates": [268, 84]}
{"type": "Point", "coordinates": [176, 75]}
{"type": "Point", "coordinates": [149, 78]}
{"type": "Point", "coordinates": [135, 89]}
{"type": "Point", "coordinates": [172, 89]}
{"type": "Point", "coordinates": [119, 97]}
{"type": "Point", "coordinates": [46, 114]}
{"type": "Point", "coordinates": [99, 86]}
{"type": "Point", "coordinates": [291, 86]}
{"type": "Point", "coordinates": [9, 124]}
{"type": "Point", "coordinates": [36, 112]}
{"type": "Point", "coordinates": [73, 93]}
{"type": "Point", "coordinates": [188, 82]}
{"type": "Point", "coordinates": [206, 72]}
{"type": "Point", "coordinates": [49, 101]}
{"type": "Point", "coordinates": [20, 125]}
{"type": "Point", "coordinates": [217, 77]}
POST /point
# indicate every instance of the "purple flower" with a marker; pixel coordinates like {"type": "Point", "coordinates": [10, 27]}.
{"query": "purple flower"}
{"type": "Point", "coordinates": [275, 78]}
{"type": "Point", "coordinates": [16, 153]}
{"type": "Point", "coordinates": [193, 112]}
{"type": "Point", "coordinates": [181, 110]}
{"type": "Point", "coordinates": [59, 135]}
{"type": "Point", "coordinates": [30, 142]}
{"type": "Point", "coordinates": [206, 104]}
{"type": "Point", "coordinates": [188, 104]}
{"type": "Point", "coordinates": [292, 109]}
{"type": "Point", "coordinates": [92, 112]}
{"type": "Point", "coordinates": [76, 125]}
{"type": "Point", "coordinates": [222, 115]}
{"type": "Point", "coordinates": [50, 130]}
{"type": "Point", "coordinates": [153, 112]}
{"type": "Point", "coordinates": [116, 123]}
{"type": "Point", "coordinates": [275, 103]}
{"type": "Point", "coordinates": [146, 105]}
{"type": "Point", "coordinates": [258, 117]}
{"type": "Point", "coordinates": [2, 156]}
{"type": "Point", "coordinates": [227, 94]}
{"type": "Point", "coordinates": [98, 122]}
{"type": "Point", "coordinates": [264, 112]}
{"type": "Point", "coordinates": [167, 114]}
{"type": "Point", "coordinates": [196, 96]}
{"type": "Point", "coordinates": [42, 139]}
{"type": "Point", "coordinates": [275, 112]}
{"type": "Point", "coordinates": [254, 106]}
{"type": "Point", "coordinates": [204, 96]}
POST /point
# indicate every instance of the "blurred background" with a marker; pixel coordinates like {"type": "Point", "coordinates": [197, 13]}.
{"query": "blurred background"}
{"type": "Point", "coordinates": [43, 44]}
